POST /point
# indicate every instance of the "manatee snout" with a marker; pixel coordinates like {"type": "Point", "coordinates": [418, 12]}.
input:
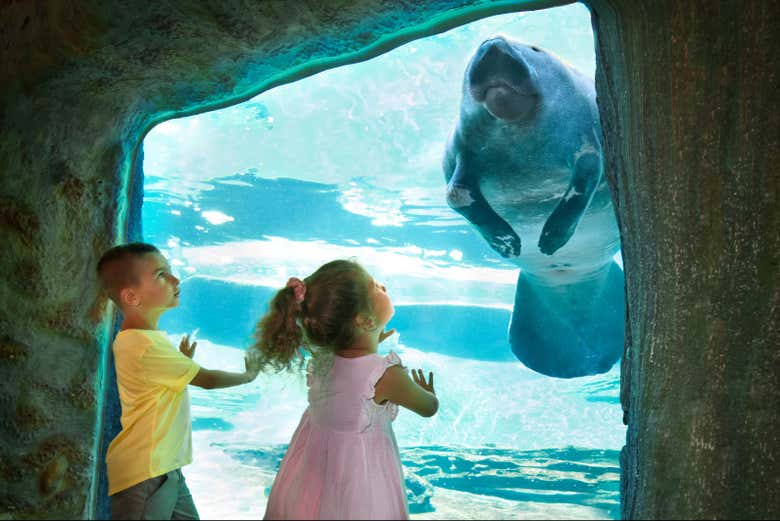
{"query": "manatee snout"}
{"type": "Point", "coordinates": [500, 79]}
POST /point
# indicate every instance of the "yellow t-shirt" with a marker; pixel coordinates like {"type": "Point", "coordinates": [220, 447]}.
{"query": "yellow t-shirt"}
{"type": "Point", "coordinates": [156, 437]}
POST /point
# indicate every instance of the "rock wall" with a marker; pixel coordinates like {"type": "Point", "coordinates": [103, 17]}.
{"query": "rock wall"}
{"type": "Point", "coordinates": [688, 95]}
{"type": "Point", "coordinates": [81, 84]}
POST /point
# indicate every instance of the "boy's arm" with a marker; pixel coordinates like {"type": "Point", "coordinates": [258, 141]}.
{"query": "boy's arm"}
{"type": "Point", "coordinates": [213, 379]}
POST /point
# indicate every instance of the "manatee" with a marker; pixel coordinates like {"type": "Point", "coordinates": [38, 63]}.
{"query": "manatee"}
{"type": "Point", "coordinates": [524, 166]}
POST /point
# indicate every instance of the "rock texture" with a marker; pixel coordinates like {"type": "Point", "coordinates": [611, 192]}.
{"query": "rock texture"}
{"type": "Point", "coordinates": [688, 94]}
{"type": "Point", "coordinates": [81, 84]}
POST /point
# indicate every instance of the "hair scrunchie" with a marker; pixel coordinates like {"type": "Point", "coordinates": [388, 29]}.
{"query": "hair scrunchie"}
{"type": "Point", "coordinates": [299, 288]}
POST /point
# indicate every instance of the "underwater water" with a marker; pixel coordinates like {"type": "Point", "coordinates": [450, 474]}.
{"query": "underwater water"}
{"type": "Point", "coordinates": [347, 164]}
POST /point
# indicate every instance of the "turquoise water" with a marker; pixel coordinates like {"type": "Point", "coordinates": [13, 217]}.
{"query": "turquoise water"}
{"type": "Point", "coordinates": [347, 163]}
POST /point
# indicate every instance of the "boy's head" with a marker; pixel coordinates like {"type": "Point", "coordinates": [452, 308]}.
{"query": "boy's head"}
{"type": "Point", "coordinates": [136, 276]}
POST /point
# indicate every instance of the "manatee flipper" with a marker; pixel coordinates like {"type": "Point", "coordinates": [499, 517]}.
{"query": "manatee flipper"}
{"type": "Point", "coordinates": [465, 197]}
{"type": "Point", "coordinates": [563, 220]}
{"type": "Point", "coordinates": [569, 330]}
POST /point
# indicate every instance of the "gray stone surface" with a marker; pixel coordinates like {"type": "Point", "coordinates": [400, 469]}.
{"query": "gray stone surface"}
{"type": "Point", "coordinates": [688, 93]}
{"type": "Point", "coordinates": [80, 85]}
{"type": "Point", "coordinates": [689, 98]}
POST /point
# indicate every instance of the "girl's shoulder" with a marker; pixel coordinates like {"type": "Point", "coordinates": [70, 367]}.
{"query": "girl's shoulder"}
{"type": "Point", "coordinates": [391, 359]}
{"type": "Point", "coordinates": [380, 365]}
{"type": "Point", "coordinates": [375, 361]}
{"type": "Point", "coordinates": [373, 366]}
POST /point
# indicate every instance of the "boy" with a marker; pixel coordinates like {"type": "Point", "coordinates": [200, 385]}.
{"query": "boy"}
{"type": "Point", "coordinates": [144, 460]}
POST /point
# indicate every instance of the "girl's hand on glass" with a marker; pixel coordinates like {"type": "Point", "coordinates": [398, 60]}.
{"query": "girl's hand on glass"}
{"type": "Point", "coordinates": [419, 379]}
{"type": "Point", "coordinates": [385, 334]}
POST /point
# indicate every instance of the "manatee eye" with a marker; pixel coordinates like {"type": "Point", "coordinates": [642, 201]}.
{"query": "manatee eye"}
{"type": "Point", "coordinates": [537, 49]}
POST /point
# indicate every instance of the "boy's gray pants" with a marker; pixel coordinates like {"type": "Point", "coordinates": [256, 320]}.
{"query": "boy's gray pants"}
{"type": "Point", "coordinates": [161, 497]}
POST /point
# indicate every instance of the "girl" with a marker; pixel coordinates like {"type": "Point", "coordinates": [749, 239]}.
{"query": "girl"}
{"type": "Point", "coordinates": [343, 461]}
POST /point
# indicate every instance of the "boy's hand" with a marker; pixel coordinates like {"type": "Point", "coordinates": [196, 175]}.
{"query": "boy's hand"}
{"type": "Point", "coordinates": [385, 334]}
{"type": "Point", "coordinates": [185, 347]}
{"type": "Point", "coordinates": [251, 364]}
{"type": "Point", "coordinates": [419, 379]}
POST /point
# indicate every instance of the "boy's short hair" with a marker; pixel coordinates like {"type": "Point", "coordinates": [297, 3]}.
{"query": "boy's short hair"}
{"type": "Point", "coordinates": [116, 268]}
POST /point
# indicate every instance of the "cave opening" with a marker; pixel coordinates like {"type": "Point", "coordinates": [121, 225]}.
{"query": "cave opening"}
{"type": "Point", "coordinates": [348, 164]}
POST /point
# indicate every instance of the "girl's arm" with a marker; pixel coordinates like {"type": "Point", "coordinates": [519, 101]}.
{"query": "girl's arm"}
{"type": "Point", "coordinates": [416, 395]}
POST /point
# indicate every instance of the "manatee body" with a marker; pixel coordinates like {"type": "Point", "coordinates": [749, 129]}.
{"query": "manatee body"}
{"type": "Point", "coordinates": [524, 166]}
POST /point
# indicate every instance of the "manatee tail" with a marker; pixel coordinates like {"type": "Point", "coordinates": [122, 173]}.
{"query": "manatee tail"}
{"type": "Point", "coordinates": [569, 330]}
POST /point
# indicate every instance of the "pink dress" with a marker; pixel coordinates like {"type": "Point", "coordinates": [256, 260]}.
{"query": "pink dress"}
{"type": "Point", "coordinates": [343, 460]}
